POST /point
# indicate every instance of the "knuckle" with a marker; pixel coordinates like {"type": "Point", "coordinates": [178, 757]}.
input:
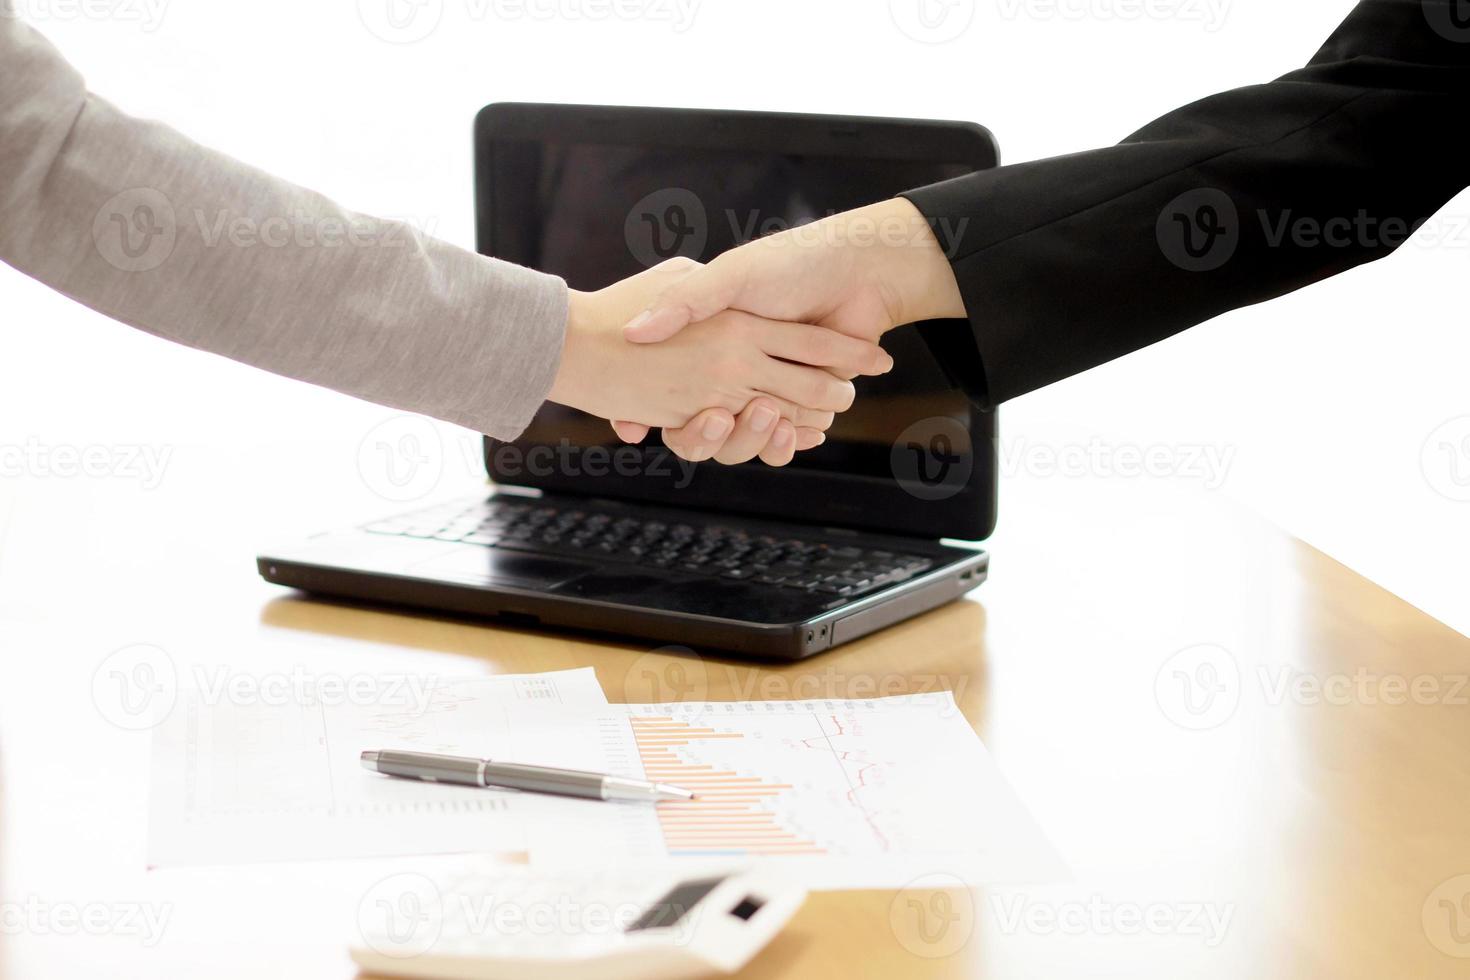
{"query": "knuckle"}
{"type": "Point", "coordinates": [677, 264]}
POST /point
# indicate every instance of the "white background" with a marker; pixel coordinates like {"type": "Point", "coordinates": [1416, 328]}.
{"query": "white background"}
{"type": "Point", "coordinates": [1327, 403]}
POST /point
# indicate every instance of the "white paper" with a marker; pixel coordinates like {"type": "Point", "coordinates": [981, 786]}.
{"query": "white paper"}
{"type": "Point", "coordinates": [238, 780]}
{"type": "Point", "coordinates": [835, 794]}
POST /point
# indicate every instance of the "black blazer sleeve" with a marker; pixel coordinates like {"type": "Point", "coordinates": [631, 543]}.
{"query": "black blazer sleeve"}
{"type": "Point", "coordinates": [1067, 263]}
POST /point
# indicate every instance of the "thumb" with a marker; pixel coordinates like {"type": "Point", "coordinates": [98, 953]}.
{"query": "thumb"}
{"type": "Point", "coordinates": [700, 295]}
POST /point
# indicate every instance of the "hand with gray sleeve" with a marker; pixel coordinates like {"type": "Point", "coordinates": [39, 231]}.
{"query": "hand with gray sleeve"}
{"type": "Point", "coordinates": [137, 222]}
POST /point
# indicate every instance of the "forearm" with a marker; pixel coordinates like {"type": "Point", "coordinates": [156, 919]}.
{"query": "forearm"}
{"type": "Point", "coordinates": [135, 221]}
{"type": "Point", "coordinates": [1067, 263]}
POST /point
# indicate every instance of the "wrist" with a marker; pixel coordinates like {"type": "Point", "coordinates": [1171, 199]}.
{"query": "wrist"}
{"type": "Point", "coordinates": [908, 263]}
{"type": "Point", "coordinates": [569, 387]}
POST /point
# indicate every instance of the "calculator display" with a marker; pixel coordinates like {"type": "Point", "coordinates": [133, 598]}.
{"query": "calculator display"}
{"type": "Point", "coordinates": [675, 904]}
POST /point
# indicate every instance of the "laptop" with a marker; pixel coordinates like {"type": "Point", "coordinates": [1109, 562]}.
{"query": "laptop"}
{"type": "Point", "coordinates": [585, 533]}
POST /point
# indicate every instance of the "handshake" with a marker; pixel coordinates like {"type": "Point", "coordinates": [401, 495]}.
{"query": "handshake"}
{"type": "Point", "coordinates": [753, 355]}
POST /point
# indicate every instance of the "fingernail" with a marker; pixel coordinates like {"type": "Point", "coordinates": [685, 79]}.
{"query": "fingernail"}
{"type": "Point", "coordinates": [638, 320]}
{"type": "Point", "coordinates": [783, 437]}
{"type": "Point", "coordinates": [716, 427]}
{"type": "Point", "coordinates": [763, 418]}
{"type": "Point", "coordinates": [887, 363]}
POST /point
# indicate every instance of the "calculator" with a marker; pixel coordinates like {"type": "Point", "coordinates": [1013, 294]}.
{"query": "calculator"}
{"type": "Point", "coordinates": [487, 921]}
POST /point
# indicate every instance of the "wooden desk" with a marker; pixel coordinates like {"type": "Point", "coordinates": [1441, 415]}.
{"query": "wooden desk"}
{"type": "Point", "coordinates": [1322, 835]}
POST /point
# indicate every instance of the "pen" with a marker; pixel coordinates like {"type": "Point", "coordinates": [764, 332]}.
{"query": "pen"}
{"type": "Point", "coordinates": [465, 771]}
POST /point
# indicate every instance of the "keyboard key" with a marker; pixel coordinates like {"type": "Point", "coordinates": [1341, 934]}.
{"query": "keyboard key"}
{"type": "Point", "coordinates": [715, 550]}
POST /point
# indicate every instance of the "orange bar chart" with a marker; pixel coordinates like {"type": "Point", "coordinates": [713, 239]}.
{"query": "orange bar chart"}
{"type": "Point", "coordinates": [733, 813]}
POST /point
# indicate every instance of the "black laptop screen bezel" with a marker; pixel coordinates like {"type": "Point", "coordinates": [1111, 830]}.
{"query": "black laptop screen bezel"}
{"type": "Point", "coordinates": [823, 497]}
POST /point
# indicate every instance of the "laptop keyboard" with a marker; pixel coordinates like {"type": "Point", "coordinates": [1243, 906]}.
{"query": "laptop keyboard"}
{"type": "Point", "coordinates": [689, 545]}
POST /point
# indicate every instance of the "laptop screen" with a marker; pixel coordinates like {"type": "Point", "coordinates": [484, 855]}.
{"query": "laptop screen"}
{"type": "Point", "coordinates": [594, 212]}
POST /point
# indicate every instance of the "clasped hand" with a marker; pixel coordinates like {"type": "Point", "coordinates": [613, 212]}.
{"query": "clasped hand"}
{"type": "Point", "coordinates": [753, 354]}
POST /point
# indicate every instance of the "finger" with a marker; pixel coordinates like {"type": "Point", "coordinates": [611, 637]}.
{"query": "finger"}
{"type": "Point", "coordinates": [694, 297]}
{"type": "Point", "coordinates": [703, 437]}
{"type": "Point", "coordinates": [809, 438]}
{"type": "Point", "coordinates": [806, 386]}
{"type": "Point", "coordinates": [782, 447]}
{"type": "Point", "coordinates": [802, 418]}
{"type": "Point", "coordinates": [754, 429]}
{"type": "Point", "coordinates": [821, 347]}
{"type": "Point", "coordinates": [630, 431]}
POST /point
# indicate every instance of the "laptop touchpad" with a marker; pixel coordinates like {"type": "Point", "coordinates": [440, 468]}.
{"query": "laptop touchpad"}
{"type": "Point", "coordinates": [491, 566]}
